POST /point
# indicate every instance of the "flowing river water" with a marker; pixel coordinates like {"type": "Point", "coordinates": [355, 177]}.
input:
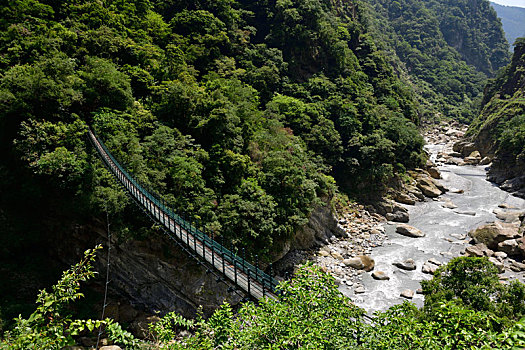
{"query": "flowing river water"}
{"type": "Point", "coordinates": [446, 234]}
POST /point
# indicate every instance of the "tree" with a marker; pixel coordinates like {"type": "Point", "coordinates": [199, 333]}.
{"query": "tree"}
{"type": "Point", "coordinates": [474, 283]}
{"type": "Point", "coordinates": [105, 85]}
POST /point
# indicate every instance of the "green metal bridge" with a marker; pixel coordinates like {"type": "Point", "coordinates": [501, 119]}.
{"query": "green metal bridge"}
{"type": "Point", "coordinates": [243, 275]}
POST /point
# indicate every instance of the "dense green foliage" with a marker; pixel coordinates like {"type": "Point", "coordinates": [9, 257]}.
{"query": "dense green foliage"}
{"type": "Point", "coordinates": [474, 283]}
{"type": "Point", "coordinates": [51, 326]}
{"type": "Point", "coordinates": [310, 313]}
{"type": "Point", "coordinates": [500, 127]}
{"type": "Point", "coordinates": [447, 47]}
{"type": "Point", "coordinates": [239, 113]}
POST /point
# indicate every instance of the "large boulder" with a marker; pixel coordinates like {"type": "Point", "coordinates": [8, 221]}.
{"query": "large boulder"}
{"type": "Point", "coordinates": [494, 233]}
{"type": "Point", "coordinates": [368, 262]}
{"type": "Point", "coordinates": [398, 216]}
{"type": "Point", "coordinates": [478, 250]}
{"type": "Point", "coordinates": [510, 246]}
{"type": "Point", "coordinates": [361, 262]}
{"type": "Point", "coordinates": [434, 173]}
{"type": "Point", "coordinates": [416, 192]}
{"type": "Point", "coordinates": [409, 231]}
{"type": "Point", "coordinates": [407, 293]}
{"type": "Point", "coordinates": [407, 265]}
{"type": "Point", "coordinates": [474, 158]}
{"type": "Point", "coordinates": [464, 147]}
{"type": "Point", "coordinates": [404, 198]}
{"type": "Point", "coordinates": [380, 275]}
{"type": "Point", "coordinates": [392, 211]}
{"type": "Point", "coordinates": [356, 263]}
{"type": "Point", "coordinates": [430, 187]}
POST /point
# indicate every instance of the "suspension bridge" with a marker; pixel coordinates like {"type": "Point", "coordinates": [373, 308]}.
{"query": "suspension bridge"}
{"type": "Point", "coordinates": [243, 275]}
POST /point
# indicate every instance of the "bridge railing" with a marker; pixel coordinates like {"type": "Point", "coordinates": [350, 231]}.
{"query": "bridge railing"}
{"type": "Point", "coordinates": [252, 272]}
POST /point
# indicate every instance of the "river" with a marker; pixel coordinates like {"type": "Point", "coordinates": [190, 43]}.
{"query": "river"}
{"type": "Point", "coordinates": [446, 234]}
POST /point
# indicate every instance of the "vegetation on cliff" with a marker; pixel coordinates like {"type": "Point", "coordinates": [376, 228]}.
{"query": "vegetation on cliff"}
{"type": "Point", "coordinates": [448, 48]}
{"type": "Point", "coordinates": [499, 130]}
{"type": "Point", "coordinates": [239, 113]}
{"type": "Point", "coordinates": [466, 307]}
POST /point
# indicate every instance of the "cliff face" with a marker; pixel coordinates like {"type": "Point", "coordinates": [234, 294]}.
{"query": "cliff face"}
{"type": "Point", "coordinates": [152, 275]}
{"type": "Point", "coordinates": [472, 27]}
{"type": "Point", "coordinates": [499, 130]}
{"type": "Point", "coordinates": [157, 275]}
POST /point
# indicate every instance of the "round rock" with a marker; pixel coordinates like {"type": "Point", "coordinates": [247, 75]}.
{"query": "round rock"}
{"type": "Point", "coordinates": [409, 231]}
{"type": "Point", "coordinates": [407, 265]}
{"type": "Point", "coordinates": [380, 275]}
{"type": "Point", "coordinates": [407, 293]}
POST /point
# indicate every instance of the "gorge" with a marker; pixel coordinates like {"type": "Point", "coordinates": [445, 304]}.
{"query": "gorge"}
{"type": "Point", "coordinates": [292, 132]}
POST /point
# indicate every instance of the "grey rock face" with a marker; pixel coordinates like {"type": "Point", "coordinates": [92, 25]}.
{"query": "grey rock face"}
{"type": "Point", "coordinates": [320, 227]}
{"type": "Point", "coordinates": [153, 275]}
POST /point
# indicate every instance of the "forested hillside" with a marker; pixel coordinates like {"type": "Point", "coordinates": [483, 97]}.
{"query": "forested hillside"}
{"type": "Point", "coordinates": [245, 116]}
{"type": "Point", "coordinates": [239, 113]}
{"type": "Point", "coordinates": [513, 20]}
{"type": "Point", "coordinates": [499, 130]}
{"type": "Point", "coordinates": [448, 49]}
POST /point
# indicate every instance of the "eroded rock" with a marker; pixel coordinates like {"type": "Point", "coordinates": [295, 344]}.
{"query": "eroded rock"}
{"type": "Point", "coordinates": [409, 231]}
{"type": "Point", "coordinates": [380, 275]}
{"type": "Point", "coordinates": [494, 233]}
{"type": "Point", "coordinates": [407, 265]}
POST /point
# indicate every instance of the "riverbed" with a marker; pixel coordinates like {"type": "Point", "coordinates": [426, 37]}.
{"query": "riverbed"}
{"type": "Point", "coordinates": [446, 234]}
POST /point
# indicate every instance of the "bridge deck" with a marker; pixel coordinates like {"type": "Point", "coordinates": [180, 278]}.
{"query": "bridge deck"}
{"type": "Point", "coordinates": [253, 283]}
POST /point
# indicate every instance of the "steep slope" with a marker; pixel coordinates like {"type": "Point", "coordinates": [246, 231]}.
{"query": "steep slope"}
{"type": "Point", "coordinates": [447, 47]}
{"type": "Point", "coordinates": [238, 112]}
{"type": "Point", "coordinates": [499, 130]}
{"type": "Point", "coordinates": [513, 20]}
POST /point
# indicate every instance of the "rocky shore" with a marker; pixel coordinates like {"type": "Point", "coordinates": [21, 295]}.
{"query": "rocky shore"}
{"type": "Point", "coordinates": [502, 169]}
{"type": "Point", "coordinates": [502, 241]}
{"type": "Point", "coordinates": [348, 258]}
